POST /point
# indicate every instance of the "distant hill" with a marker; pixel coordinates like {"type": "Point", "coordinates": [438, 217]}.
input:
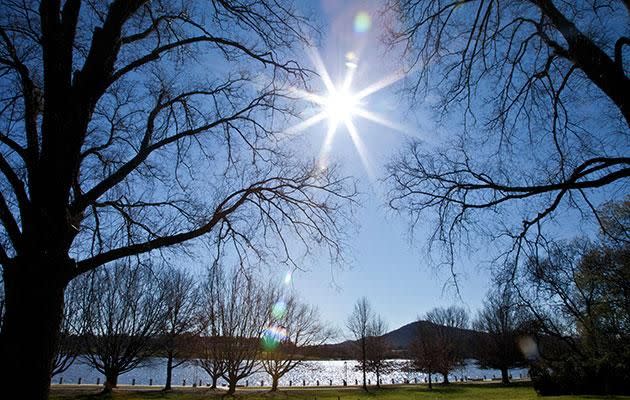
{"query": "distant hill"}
{"type": "Point", "coordinates": [402, 337]}
{"type": "Point", "coordinates": [399, 340]}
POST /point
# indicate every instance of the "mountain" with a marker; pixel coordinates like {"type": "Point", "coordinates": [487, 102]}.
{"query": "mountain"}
{"type": "Point", "coordinates": [399, 340]}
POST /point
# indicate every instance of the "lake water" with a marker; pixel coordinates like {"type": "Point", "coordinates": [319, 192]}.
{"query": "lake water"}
{"type": "Point", "coordinates": [309, 373]}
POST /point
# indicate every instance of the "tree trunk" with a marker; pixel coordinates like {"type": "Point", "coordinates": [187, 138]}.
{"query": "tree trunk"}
{"type": "Point", "coordinates": [363, 366]}
{"type": "Point", "coordinates": [231, 387]}
{"type": "Point", "coordinates": [505, 377]}
{"type": "Point", "coordinates": [111, 381]}
{"type": "Point", "coordinates": [430, 384]}
{"type": "Point", "coordinates": [445, 375]}
{"type": "Point", "coordinates": [274, 383]}
{"type": "Point", "coordinates": [214, 382]}
{"type": "Point", "coordinates": [29, 337]}
{"type": "Point", "coordinates": [378, 378]}
{"type": "Point", "coordinates": [169, 370]}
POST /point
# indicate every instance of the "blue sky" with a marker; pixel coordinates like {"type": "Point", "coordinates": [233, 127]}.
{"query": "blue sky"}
{"type": "Point", "coordinates": [384, 263]}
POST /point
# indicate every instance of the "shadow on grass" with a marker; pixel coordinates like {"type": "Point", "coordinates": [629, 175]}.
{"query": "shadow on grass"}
{"type": "Point", "coordinates": [455, 391]}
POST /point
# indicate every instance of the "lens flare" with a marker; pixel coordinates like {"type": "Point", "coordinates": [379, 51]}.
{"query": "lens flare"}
{"type": "Point", "coordinates": [352, 60]}
{"type": "Point", "coordinates": [288, 277]}
{"type": "Point", "coordinates": [279, 310]}
{"type": "Point", "coordinates": [529, 348]}
{"type": "Point", "coordinates": [362, 22]}
{"type": "Point", "coordinates": [272, 337]}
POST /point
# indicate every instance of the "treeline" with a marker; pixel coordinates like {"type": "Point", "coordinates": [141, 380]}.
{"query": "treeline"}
{"type": "Point", "coordinates": [229, 324]}
{"type": "Point", "coordinates": [565, 316]}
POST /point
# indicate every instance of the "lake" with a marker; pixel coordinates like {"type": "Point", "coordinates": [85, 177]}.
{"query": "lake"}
{"type": "Point", "coordinates": [309, 373]}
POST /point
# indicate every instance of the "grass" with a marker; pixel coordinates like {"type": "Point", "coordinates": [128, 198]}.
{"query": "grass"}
{"type": "Point", "coordinates": [520, 391]}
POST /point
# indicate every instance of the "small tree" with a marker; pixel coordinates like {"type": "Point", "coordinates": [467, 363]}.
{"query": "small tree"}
{"type": "Point", "coordinates": [125, 313]}
{"type": "Point", "coordinates": [294, 327]}
{"type": "Point", "coordinates": [181, 299]}
{"type": "Point", "coordinates": [425, 352]}
{"type": "Point", "coordinates": [448, 338]}
{"type": "Point", "coordinates": [501, 321]}
{"type": "Point", "coordinates": [210, 350]}
{"type": "Point", "coordinates": [377, 349]}
{"type": "Point", "coordinates": [241, 310]}
{"type": "Point", "coordinates": [359, 326]}
{"type": "Point", "coordinates": [209, 346]}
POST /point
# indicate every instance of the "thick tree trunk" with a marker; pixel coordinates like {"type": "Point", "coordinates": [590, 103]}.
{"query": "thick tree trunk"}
{"type": "Point", "coordinates": [214, 382]}
{"type": "Point", "coordinates": [378, 378]}
{"type": "Point", "coordinates": [231, 387]}
{"type": "Point", "coordinates": [29, 337]}
{"type": "Point", "coordinates": [274, 383]}
{"type": "Point", "coordinates": [445, 375]}
{"type": "Point", "coordinates": [505, 377]}
{"type": "Point", "coordinates": [111, 381]}
{"type": "Point", "coordinates": [430, 384]}
{"type": "Point", "coordinates": [169, 370]}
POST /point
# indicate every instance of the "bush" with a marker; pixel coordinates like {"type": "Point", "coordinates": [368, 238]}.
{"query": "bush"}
{"type": "Point", "coordinates": [571, 377]}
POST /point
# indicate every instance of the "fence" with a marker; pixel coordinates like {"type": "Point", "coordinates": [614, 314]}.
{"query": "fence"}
{"type": "Point", "coordinates": [330, 382]}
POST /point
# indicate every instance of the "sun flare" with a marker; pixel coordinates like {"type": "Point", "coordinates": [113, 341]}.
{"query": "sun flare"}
{"type": "Point", "coordinates": [339, 105]}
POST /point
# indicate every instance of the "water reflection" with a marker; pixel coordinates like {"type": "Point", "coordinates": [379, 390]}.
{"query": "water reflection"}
{"type": "Point", "coordinates": [310, 373]}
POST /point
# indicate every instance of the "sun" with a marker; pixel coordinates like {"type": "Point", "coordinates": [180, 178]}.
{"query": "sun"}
{"type": "Point", "coordinates": [339, 105]}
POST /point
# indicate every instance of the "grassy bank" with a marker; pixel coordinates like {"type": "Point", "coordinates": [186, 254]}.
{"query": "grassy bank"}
{"type": "Point", "coordinates": [420, 392]}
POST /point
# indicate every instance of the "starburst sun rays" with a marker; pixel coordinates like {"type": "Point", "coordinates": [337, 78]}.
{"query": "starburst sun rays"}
{"type": "Point", "coordinates": [339, 104]}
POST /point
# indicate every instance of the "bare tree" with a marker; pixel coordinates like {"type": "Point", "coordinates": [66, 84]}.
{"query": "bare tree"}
{"type": "Point", "coordinates": [542, 89]}
{"type": "Point", "coordinates": [425, 351]}
{"type": "Point", "coordinates": [377, 349]}
{"type": "Point", "coordinates": [133, 126]}
{"type": "Point", "coordinates": [181, 298]}
{"type": "Point", "coordinates": [242, 312]}
{"type": "Point", "coordinates": [615, 220]}
{"type": "Point", "coordinates": [293, 327]}
{"type": "Point", "coordinates": [210, 343]}
{"type": "Point", "coordinates": [210, 357]}
{"type": "Point", "coordinates": [359, 324]}
{"type": "Point", "coordinates": [125, 313]}
{"type": "Point", "coordinates": [501, 320]}
{"type": "Point", "coordinates": [448, 339]}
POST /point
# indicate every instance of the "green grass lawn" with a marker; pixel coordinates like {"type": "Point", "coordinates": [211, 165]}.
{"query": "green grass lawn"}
{"type": "Point", "coordinates": [420, 392]}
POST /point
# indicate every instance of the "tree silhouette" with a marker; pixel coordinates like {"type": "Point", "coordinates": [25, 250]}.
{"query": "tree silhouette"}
{"type": "Point", "coordinates": [182, 320]}
{"type": "Point", "coordinates": [449, 351]}
{"type": "Point", "coordinates": [577, 294]}
{"type": "Point", "coordinates": [541, 95]}
{"type": "Point", "coordinates": [239, 309]}
{"type": "Point", "coordinates": [124, 311]}
{"type": "Point", "coordinates": [501, 320]}
{"type": "Point", "coordinates": [359, 324]}
{"type": "Point", "coordinates": [377, 350]}
{"type": "Point", "coordinates": [299, 327]}
{"type": "Point", "coordinates": [135, 125]}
